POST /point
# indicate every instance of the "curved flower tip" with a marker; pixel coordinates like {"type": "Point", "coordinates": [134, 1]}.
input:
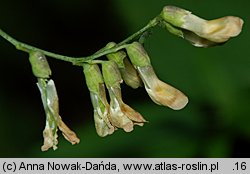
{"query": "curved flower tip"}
{"type": "Point", "coordinates": [167, 95]}
{"type": "Point", "coordinates": [102, 127]}
{"type": "Point", "coordinates": [122, 115]}
{"type": "Point", "coordinates": [67, 133]}
{"type": "Point", "coordinates": [222, 29]}
{"type": "Point", "coordinates": [120, 120]}
{"type": "Point", "coordinates": [133, 115]}
{"type": "Point", "coordinates": [50, 138]}
{"type": "Point", "coordinates": [161, 93]}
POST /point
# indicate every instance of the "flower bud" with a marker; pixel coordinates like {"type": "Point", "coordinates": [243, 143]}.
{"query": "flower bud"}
{"type": "Point", "coordinates": [40, 66]}
{"type": "Point", "coordinates": [128, 72]}
{"type": "Point", "coordinates": [160, 92]}
{"type": "Point", "coordinates": [130, 75]}
{"type": "Point", "coordinates": [121, 115]}
{"type": "Point", "coordinates": [218, 30]}
{"type": "Point", "coordinates": [96, 87]}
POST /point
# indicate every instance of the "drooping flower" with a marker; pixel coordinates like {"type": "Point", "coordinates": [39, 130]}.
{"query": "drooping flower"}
{"type": "Point", "coordinates": [96, 87]}
{"type": "Point", "coordinates": [53, 119]}
{"type": "Point", "coordinates": [200, 32]}
{"type": "Point", "coordinates": [121, 115]}
{"type": "Point", "coordinates": [161, 93]}
{"type": "Point", "coordinates": [127, 70]}
{"type": "Point", "coordinates": [41, 70]}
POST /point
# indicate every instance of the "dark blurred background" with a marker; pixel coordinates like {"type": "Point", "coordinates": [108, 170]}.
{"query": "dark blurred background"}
{"type": "Point", "coordinates": [215, 123]}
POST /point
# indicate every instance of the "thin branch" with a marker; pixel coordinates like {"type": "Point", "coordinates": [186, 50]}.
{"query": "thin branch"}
{"type": "Point", "coordinates": [79, 60]}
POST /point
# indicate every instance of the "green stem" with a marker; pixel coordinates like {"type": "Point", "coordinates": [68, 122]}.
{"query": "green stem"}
{"type": "Point", "coordinates": [79, 60]}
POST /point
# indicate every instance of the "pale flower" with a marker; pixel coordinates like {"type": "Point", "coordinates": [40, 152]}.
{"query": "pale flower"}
{"type": "Point", "coordinates": [96, 87]}
{"type": "Point", "coordinates": [42, 71]}
{"type": "Point", "coordinates": [201, 32]}
{"type": "Point", "coordinates": [53, 119]}
{"type": "Point", "coordinates": [161, 93]}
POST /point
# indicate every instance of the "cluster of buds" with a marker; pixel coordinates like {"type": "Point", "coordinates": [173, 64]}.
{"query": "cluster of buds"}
{"type": "Point", "coordinates": [133, 67]}
{"type": "Point", "coordinates": [198, 31]}
{"type": "Point", "coordinates": [42, 71]}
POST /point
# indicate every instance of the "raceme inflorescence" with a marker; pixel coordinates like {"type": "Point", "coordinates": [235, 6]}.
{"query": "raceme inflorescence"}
{"type": "Point", "coordinates": [127, 62]}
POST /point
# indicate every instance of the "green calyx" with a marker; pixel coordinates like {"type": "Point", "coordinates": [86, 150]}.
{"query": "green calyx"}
{"type": "Point", "coordinates": [111, 74]}
{"type": "Point", "coordinates": [93, 77]}
{"type": "Point", "coordinates": [174, 15]}
{"type": "Point", "coordinates": [40, 65]}
{"type": "Point", "coordinates": [138, 54]}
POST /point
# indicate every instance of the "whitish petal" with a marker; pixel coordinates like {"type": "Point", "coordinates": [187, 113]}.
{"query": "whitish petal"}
{"type": "Point", "coordinates": [117, 116]}
{"type": "Point", "coordinates": [162, 93]}
{"type": "Point", "coordinates": [101, 113]}
{"type": "Point", "coordinates": [222, 29]}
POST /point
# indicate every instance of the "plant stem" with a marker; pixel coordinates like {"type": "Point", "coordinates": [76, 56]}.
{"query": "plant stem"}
{"type": "Point", "coordinates": [79, 60]}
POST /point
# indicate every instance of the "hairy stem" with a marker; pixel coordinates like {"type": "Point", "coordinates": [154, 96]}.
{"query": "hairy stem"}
{"type": "Point", "coordinates": [79, 60]}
